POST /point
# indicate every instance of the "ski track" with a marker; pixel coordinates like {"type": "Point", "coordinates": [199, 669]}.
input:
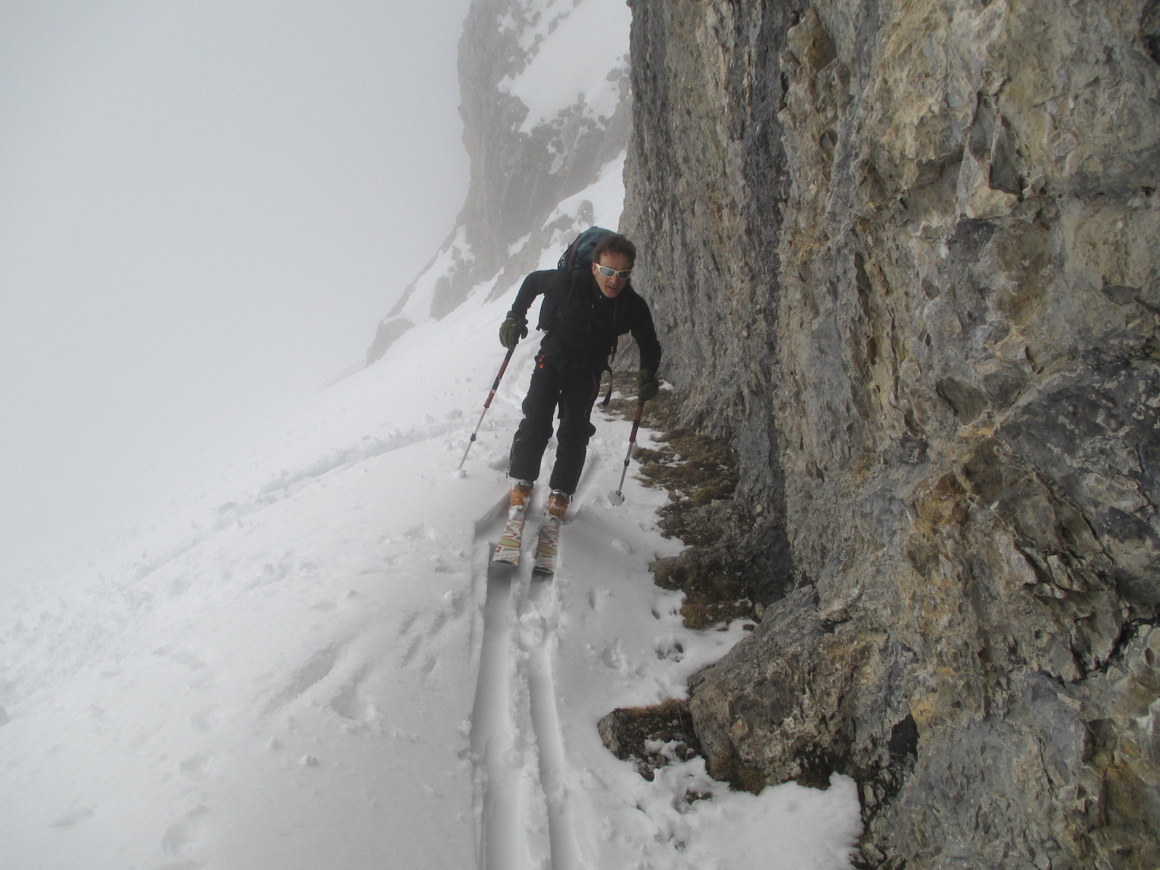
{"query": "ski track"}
{"type": "Point", "coordinates": [497, 803]}
{"type": "Point", "coordinates": [288, 483]}
{"type": "Point", "coordinates": [521, 775]}
{"type": "Point", "coordinates": [538, 628]}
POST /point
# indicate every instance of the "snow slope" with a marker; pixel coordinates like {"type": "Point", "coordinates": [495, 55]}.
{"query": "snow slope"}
{"type": "Point", "coordinates": [573, 55]}
{"type": "Point", "coordinates": [304, 667]}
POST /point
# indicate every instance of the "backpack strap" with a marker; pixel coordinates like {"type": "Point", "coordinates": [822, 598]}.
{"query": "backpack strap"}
{"type": "Point", "coordinates": [608, 395]}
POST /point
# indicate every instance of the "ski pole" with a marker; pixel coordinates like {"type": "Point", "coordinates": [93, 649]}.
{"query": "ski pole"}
{"type": "Point", "coordinates": [617, 497]}
{"type": "Point", "coordinates": [487, 403]}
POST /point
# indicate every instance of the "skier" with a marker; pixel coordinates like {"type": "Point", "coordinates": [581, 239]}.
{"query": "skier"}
{"type": "Point", "coordinates": [583, 314]}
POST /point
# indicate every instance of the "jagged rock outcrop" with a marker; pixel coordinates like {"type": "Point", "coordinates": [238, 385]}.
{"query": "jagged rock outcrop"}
{"type": "Point", "coordinates": [524, 160]}
{"type": "Point", "coordinates": [909, 262]}
{"type": "Point", "coordinates": [520, 171]}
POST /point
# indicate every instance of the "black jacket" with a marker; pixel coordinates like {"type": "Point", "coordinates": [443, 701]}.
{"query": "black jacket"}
{"type": "Point", "coordinates": [582, 325]}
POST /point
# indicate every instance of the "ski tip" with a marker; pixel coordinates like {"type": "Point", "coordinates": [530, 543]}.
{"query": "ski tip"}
{"type": "Point", "coordinates": [497, 568]}
{"type": "Point", "coordinates": [499, 572]}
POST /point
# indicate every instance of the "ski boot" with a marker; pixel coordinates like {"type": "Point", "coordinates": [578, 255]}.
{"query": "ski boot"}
{"type": "Point", "coordinates": [547, 546]}
{"type": "Point", "coordinates": [507, 550]}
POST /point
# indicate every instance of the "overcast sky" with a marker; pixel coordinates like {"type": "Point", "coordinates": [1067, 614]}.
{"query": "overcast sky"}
{"type": "Point", "coordinates": [205, 207]}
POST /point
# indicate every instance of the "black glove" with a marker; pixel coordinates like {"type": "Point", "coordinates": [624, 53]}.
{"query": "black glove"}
{"type": "Point", "coordinates": [512, 330]}
{"type": "Point", "coordinates": [647, 385]}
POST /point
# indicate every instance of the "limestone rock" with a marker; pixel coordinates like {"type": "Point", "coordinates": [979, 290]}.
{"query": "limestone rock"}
{"type": "Point", "coordinates": [908, 263]}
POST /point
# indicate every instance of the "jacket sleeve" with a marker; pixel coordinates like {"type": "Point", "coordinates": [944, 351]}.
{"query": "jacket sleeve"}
{"type": "Point", "coordinates": [645, 334]}
{"type": "Point", "coordinates": [532, 287]}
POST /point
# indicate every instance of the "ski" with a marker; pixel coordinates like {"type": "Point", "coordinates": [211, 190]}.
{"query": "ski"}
{"type": "Point", "coordinates": [505, 555]}
{"type": "Point", "coordinates": [547, 547]}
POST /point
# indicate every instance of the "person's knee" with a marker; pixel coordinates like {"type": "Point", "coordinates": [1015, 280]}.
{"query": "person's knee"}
{"type": "Point", "coordinates": [535, 430]}
{"type": "Point", "coordinates": [576, 430]}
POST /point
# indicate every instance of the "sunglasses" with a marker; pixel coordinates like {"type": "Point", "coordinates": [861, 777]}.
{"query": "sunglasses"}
{"type": "Point", "coordinates": [609, 272]}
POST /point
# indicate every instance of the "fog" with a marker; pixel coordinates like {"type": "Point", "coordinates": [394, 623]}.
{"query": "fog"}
{"type": "Point", "coordinates": [205, 207]}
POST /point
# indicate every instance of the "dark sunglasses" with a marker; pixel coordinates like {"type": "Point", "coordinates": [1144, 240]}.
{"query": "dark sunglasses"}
{"type": "Point", "coordinates": [608, 272]}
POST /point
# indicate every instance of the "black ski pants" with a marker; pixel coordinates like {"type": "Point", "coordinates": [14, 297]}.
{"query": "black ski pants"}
{"type": "Point", "coordinates": [572, 390]}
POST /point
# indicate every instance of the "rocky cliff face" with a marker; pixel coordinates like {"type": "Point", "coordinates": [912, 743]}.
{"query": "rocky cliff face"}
{"type": "Point", "coordinates": [909, 259]}
{"type": "Point", "coordinates": [530, 145]}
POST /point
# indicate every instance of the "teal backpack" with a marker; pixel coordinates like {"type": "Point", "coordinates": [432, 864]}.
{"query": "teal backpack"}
{"type": "Point", "coordinates": [578, 255]}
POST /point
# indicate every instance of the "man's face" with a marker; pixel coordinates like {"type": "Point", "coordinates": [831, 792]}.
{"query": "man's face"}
{"type": "Point", "coordinates": [611, 286]}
